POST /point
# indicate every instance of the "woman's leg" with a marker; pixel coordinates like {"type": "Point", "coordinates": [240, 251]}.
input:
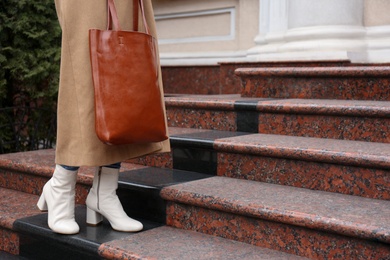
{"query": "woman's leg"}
{"type": "Point", "coordinates": [58, 198]}
{"type": "Point", "coordinates": [103, 201]}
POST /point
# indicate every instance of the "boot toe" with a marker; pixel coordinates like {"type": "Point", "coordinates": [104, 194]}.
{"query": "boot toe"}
{"type": "Point", "coordinates": [66, 227]}
{"type": "Point", "coordinates": [128, 225]}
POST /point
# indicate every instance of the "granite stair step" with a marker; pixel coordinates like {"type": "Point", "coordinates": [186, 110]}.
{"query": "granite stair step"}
{"type": "Point", "coordinates": [14, 205]}
{"type": "Point", "coordinates": [349, 167]}
{"type": "Point", "coordinates": [39, 242]}
{"type": "Point", "coordinates": [25, 235]}
{"type": "Point", "coordinates": [177, 244]}
{"type": "Point", "coordinates": [343, 166]}
{"type": "Point", "coordinates": [338, 119]}
{"type": "Point", "coordinates": [350, 82]}
{"type": "Point", "coordinates": [313, 224]}
{"type": "Point", "coordinates": [220, 78]}
{"type": "Point", "coordinates": [29, 171]}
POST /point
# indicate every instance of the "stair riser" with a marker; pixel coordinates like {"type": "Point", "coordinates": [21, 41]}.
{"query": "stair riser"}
{"type": "Point", "coordinates": [9, 241]}
{"type": "Point", "coordinates": [220, 79]}
{"type": "Point", "coordinates": [291, 239]}
{"type": "Point", "coordinates": [370, 129]}
{"type": "Point", "coordinates": [365, 182]}
{"type": "Point", "coordinates": [162, 160]}
{"type": "Point", "coordinates": [204, 119]}
{"type": "Point", "coordinates": [322, 126]}
{"type": "Point", "coordinates": [317, 88]}
{"type": "Point", "coordinates": [33, 184]}
{"type": "Point", "coordinates": [345, 179]}
{"type": "Point", "coordinates": [191, 80]}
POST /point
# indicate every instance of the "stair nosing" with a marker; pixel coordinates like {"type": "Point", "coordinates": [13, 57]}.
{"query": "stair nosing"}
{"type": "Point", "coordinates": [355, 108]}
{"type": "Point", "coordinates": [186, 194]}
{"type": "Point", "coordinates": [331, 71]}
{"type": "Point", "coordinates": [350, 156]}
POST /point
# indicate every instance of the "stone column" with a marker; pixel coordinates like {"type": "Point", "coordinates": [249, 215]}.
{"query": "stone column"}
{"type": "Point", "coordinates": [315, 30]}
{"type": "Point", "coordinates": [377, 23]}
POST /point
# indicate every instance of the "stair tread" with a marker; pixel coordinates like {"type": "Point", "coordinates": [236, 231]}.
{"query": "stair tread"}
{"type": "Point", "coordinates": [87, 241]}
{"type": "Point", "coordinates": [15, 205]}
{"type": "Point", "coordinates": [308, 148]}
{"type": "Point", "coordinates": [331, 71]}
{"type": "Point", "coordinates": [18, 211]}
{"type": "Point", "coordinates": [157, 178]}
{"type": "Point", "coordinates": [170, 243]}
{"type": "Point", "coordinates": [41, 163]}
{"type": "Point", "coordinates": [343, 214]}
{"type": "Point", "coordinates": [347, 152]}
{"type": "Point", "coordinates": [302, 106]}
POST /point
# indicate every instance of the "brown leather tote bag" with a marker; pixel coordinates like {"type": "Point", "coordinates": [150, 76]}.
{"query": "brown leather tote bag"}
{"type": "Point", "coordinates": [128, 102]}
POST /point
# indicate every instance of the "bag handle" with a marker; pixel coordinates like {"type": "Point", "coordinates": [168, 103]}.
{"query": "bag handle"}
{"type": "Point", "coordinates": [112, 16]}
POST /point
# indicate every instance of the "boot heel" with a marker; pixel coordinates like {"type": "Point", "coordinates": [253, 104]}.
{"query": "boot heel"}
{"type": "Point", "coordinates": [42, 205]}
{"type": "Point", "coordinates": [93, 218]}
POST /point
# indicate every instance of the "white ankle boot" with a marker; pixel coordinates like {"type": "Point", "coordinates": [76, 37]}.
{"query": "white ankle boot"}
{"type": "Point", "coordinates": [103, 201]}
{"type": "Point", "coordinates": [58, 197]}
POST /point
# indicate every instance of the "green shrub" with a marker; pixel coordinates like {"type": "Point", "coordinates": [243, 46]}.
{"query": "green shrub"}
{"type": "Point", "coordinates": [30, 39]}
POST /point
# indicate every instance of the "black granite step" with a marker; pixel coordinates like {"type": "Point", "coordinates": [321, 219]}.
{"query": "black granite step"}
{"type": "Point", "coordinates": [139, 190]}
{"type": "Point", "coordinates": [39, 242]}
{"type": "Point", "coordinates": [8, 256]}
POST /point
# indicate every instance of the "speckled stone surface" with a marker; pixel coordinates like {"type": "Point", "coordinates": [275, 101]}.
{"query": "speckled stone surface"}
{"type": "Point", "coordinates": [29, 171]}
{"type": "Point", "coordinates": [9, 241]}
{"type": "Point", "coordinates": [348, 167]}
{"type": "Point", "coordinates": [345, 152]}
{"type": "Point", "coordinates": [163, 160]}
{"type": "Point", "coordinates": [277, 236]}
{"type": "Point", "coordinates": [170, 243]}
{"type": "Point", "coordinates": [23, 205]}
{"type": "Point", "coordinates": [361, 82]}
{"type": "Point", "coordinates": [351, 180]}
{"type": "Point", "coordinates": [191, 79]}
{"type": "Point", "coordinates": [285, 218]}
{"type": "Point", "coordinates": [339, 119]}
{"type": "Point", "coordinates": [205, 112]}
{"type": "Point", "coordinates": [231, 83]}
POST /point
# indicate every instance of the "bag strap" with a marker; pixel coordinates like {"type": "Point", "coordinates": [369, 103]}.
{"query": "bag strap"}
{"type": "Point", "coordinates": [112, 16]}
{"type": "Point", "coordinates": [135, 15]}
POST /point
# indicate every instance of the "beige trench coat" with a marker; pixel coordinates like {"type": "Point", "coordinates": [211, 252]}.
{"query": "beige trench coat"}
{"type": "Point", "coordinates": [77, 143]}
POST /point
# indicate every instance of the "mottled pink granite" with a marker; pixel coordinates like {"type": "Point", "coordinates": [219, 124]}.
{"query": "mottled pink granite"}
{"type": "Point", "coordinates": [343, 166]}
{"type": "Point", "coordinates": [191, 79]}
{"type": "Point", "coordinates": [29, 171]}
{"type": "Point", "coordinates": [338, 119]}
{"type": "Point", "coordinates": [345, 179]}
{"type": "Point", "coordinates": [205, 112]}
{"type": "Point", "coordinates": [231, 83]}
{"type": "Point", "coordinates": [9, 241]}
{"type": "Point", "coordinates": [14, 205]}
{"type": "Point", "coordinates": [350, 82]}
{"type": "Point", "coordinates": [342, 152]}
{"type": "Point", "coordinates": [299, 221]}
{"type": "Point", "coordinates": [171, 243]}
{"type": "Point", "coordinates": [291, 239]}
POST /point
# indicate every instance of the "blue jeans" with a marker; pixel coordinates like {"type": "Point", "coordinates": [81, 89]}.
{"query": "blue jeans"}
{"type": "Point", "coordinates": [75, 168]}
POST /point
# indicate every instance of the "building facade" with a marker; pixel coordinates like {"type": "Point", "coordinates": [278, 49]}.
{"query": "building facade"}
{"type": "Point", "coordinates": [206, 32]}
